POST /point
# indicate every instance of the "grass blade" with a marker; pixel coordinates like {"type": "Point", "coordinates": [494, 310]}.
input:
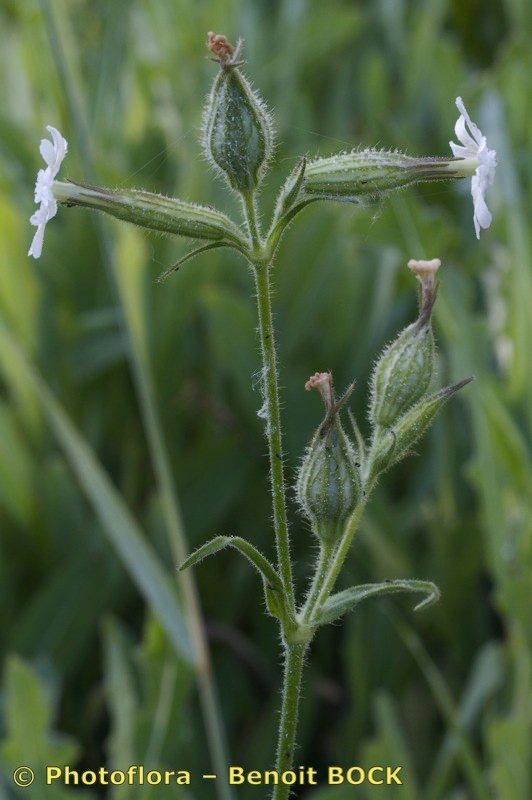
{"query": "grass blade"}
{"type": "Point", "coordinates": [136, 554]}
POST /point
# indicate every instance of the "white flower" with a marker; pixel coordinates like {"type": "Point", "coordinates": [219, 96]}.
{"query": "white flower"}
{"type": "Point", "coordinates": [53, 153]}
{"type": "Point", "coordinates": [474, 146]}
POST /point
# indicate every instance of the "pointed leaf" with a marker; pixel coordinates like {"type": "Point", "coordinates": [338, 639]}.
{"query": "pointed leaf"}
{"type": "Point", "coordinates": [244, 547]}
{"type": "Point", "coordinates": [361, 443]}
{"type": "Point", "coordinates": [290, 190]}
{"type": "Point", "coordinates": [342, 602]}
{"type": "Point", "coordinates": [188, 256]}
{"type": "Point", "coordinates": [395, 443]}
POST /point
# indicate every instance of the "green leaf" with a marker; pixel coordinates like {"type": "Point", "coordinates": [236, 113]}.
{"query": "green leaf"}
{"type": "Point", "coordinates": [187, 257]}
{"type": "Point", "coordinates": [123, 531]}
{"type": "Point", "coordinates": [16, 469]}
{"type": "Point", "coordinates": [290, 191]}
{"type": "Point", "coordinates": [469, 761]}
{"type": "Point", "coordinates": [342, 602]}
{"type": "Point", "coordinates": [394, 443]}
{"type": "Point", "coordinates": [30, 739]}
{"type": "Point", "coordinates": [122, 702]}
{"type": "Point", "coordinates": [246, 548]}
{"type": "Point", "coordinates": [486, 678]}
{"type": "Point", "coordinates": [389, 745]}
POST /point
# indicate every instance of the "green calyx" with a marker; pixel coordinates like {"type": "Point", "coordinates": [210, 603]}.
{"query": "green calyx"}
{"type": "Point", "coordinates": [237, 130]}
{"type": "Point", "coordinates": [328, 485]}
{"type": "Point", "coordinates": [370, 173]}
{"type": "Point", "coordinates": [153, 211]}
{"type": "Point", "coordinates": [403, 373]}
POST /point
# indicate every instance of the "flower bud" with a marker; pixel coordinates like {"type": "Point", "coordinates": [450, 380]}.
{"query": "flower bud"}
{"type": "Point", "coordinates": [328, 481]}
{"type": "Point", "coordinates": [237, 129]}
{"type": "Point", "coordinates": [153, 211]}
{"type": "Point", "coordinates": [371, 173]}
{"type": "Point", "coordinates": [403, 372]}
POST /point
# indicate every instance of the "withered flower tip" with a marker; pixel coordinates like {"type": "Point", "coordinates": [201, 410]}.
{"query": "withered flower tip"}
{"type": "Point", "coordinates": [220, 47]}
{"type": "Point", "coordinates": [322, 382]}
{"type": "Point", "coordinates": [426, 274]}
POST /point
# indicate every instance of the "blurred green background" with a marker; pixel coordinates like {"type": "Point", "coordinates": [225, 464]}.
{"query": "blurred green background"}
{"type": "Point", "coordinates": [89, 676]}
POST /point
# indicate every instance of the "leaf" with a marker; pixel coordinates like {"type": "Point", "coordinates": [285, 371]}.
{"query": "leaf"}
{"type": "Point", "coordinates": [16, 469]}
{"type": "Point", "coordinates": [30, 739]}
{"type": "Point", "coordinates": [122, 702]}
{"type": "Point", "coordinates": [485, 679]}
{"type": "Point", "coordinates": [395, 443]}
{"type": "Point", "coordinates": [361, 443]}
{"type": "Point", "coordinates": [188, 256]}
{"type": "Point", "coordinates": [469, 761]}
{"type": "Point", "coordinates": [243, 546]}
{"type": "Point", "coordinates": [136, 554]}
{"type": "Point", "coordinates": [389, 745]}
{"type": "Point", "coordinates": [290, 191]}
{"type": "Point", "coordinates": [342, 602]}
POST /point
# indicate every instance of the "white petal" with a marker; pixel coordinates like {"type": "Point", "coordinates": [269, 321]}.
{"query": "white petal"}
{"type": "Point", "coordinates": [60, 146]}
{"type": "Point", "coordinates": [474, 145]}
{"type": "Point", "coordinates": [460, 152]}
{"type": "Point", "coordinates": [462, 134]}
{"type": "Point", "coordinates": [36, 245]}
{"type": "Point", "coordinates": [53, 153]}
{"type": "Point", "coordinates": [38, 217]}
{"type": "Point", "coordinates": [47, 151]}
{"type": "Point", "coordinates": [475, 131]}
{"type": "Point", "coordinates": [482, 211]}
{"type": "Point", "coordinates": [481, 214]}
{"type": "Point", "coordinates": [43, 186]}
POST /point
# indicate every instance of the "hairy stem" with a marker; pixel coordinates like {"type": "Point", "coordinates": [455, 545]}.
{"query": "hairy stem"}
{"type": "Point", "coordinates": [340, 555]}
{"type": "Point", "coordinates": [293, 671]}
{"type": "Point", "coordinates": [322, 567]}
{"type": "Point", "coordinates": [273, 429]}
{"type": "Point", "coordinates": [261, 270]}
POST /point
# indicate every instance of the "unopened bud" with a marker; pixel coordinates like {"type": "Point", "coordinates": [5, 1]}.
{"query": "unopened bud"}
{"type": "Point", "coordinates": [370, 174]}
{"type": "Point", "coordinates": [403, 372]}
{"type": "Point", "coordinates": [237, 129]}
{"type": "Point", "coordinates": [328, 481]}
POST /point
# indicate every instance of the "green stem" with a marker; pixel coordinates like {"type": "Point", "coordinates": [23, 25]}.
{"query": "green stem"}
{"type": "Point", "coordinates": [250, 214]}
{"type": "Point", "coordinates": [294, 651]}
{"type": "Point", "coordinates": [273, 429]}
{"type": "Point", "coordinates": [261, 270]}
{"type": "Point", "coordinates": [293, 671]}
{"type": "Point", "coordinates": [146, 395]}
{"type": "Point", "coordinates": [324, 560]}
{"type": "Point", "coordinates": [339, 556]}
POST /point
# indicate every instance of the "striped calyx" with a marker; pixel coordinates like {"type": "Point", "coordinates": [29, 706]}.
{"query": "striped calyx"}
{"type": "Point", "coordinates": [328, 483]}
{"type": "Point", "coordinates": [403, 373]}
{"type": "Point", "coordinates": [152, 211]}
{"type": "Point", "coordinates": [237, 129]}
{"type": "Point", "coordinates": [371, 174]}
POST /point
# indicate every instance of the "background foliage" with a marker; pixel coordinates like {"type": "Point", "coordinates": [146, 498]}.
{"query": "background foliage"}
{"type": "Point", "coordinates": [89, 676]}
